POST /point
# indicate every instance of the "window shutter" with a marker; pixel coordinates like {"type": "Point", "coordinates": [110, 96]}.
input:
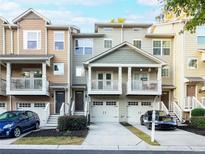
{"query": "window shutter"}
{"type": "Point", "coordinates": [25, 39]}
{"type": "Point", "coordinates": [39, 40]}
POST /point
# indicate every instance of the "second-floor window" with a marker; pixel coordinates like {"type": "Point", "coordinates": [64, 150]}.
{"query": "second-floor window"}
{"type": "Point", "coordinates": [107, 43]}
{"type": "Point", "coordinates": [59, 40]}
{"type": "Point", "coordinates": [32, 39]}
{"type": "Point", "coordinates": [161, 47]}
{"type": "Point", "coordinates": [83, 46]}
{"type": "Point", "coordinates": [137, 43]}
{"type": "Point", "coordinates": [200, 33]}
{"type": "Point", "coordinates": [192, 63]}
{"type": "Point", "coordinates": [58, 68]}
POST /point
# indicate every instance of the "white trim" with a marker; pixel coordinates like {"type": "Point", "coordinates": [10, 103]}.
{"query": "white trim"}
{"type": "Point", "coordinates": [29, 11]}
{"type": "Point", "coordinates": [54, 40]}
{"type": "Point", "coordinates": [12, 42]}
{"type": "Point", "coordinates": [161, 47]}
{"type": "Point", "coordinates": [124, 65]}
{"type": "Point", "coordinates": [188, 60]}
{"type": "Point", "coordinates": [38, 39]}
{"type": "Point", "coordinates": [46, 40]}
{"type": "Point", "coordinates": [83, 46]}
{"type": "Point", "coordinates": [58, 74]}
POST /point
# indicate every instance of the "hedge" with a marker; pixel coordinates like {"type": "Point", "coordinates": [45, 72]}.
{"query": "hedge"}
{"type": "Point", "coordinates": [198, 121]}
{"type": "Point", "coordinates": [198, 112]}
{"type": "Point", "coordinates": [72, 123]}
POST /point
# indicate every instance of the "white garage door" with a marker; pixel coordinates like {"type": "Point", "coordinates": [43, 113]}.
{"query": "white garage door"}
{"type": "Point", "coordinates": [136, 109]}
{"type": "Point", "coordinates": [104, 111]}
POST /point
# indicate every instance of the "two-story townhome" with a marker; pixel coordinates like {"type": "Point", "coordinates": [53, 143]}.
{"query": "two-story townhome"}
{"type": "Point", "coordinates": [115, 74]}
{"type": "Point", "coordinates": [35, 65]}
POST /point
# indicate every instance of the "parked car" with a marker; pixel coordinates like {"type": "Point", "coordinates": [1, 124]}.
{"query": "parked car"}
{"type": "Point", "coordinates": [162, 120]}
{"type": "Point", "coordinates": [14, 123]}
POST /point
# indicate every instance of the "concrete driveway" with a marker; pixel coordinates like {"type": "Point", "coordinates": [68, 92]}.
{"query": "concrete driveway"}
{"type": "Point", "coordinates": [175, 138]}
{"type": "Point", "coordinates": [111, 134]}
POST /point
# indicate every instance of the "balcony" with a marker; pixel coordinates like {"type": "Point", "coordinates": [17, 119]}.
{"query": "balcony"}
{"type": "Point", "coordinates": [2, 87]}
{"type": "Point", "coordinates": [138, 87]}
{"type": "Point", "coordinates": [28, 86]}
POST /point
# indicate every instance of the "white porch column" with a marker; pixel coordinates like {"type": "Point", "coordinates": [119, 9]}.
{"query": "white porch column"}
{"type": "Point", "coordinates": [159, 79]}
{"type": "Point", "coordinates": [129, 82]}
{"type": "Point", "coordinates": [44, 81]}
{"type": "Point", "coordinates": [89, 79]}
{"type": "Point", "coordinates": [8, 77]}
{"type": "Point", "coordinates": [120, 79]}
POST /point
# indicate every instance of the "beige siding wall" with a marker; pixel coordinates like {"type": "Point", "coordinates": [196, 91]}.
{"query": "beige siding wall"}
{"type": "Point", "coordinates": [1, 36]}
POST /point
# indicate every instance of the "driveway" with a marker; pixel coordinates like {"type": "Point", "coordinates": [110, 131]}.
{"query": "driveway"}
{"type": "Point", "coordinates": [175, 138]}
{"type": "Point", "coordinates": [110, 134]}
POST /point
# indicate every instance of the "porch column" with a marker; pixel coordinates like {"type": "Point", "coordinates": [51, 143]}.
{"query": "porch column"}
{"type": "Point", "coordinates": [129, 82]}
{"type": "Point", "coordinates": [8, 77]}
{"type": "Point", "coordinates": [120, 79]}
{"type": "Point", "coordinates": [44, 81]}
{"type": "Point", "coordinates": [159, 79]}
{"type": "Point", "coordinates": [89, 79]}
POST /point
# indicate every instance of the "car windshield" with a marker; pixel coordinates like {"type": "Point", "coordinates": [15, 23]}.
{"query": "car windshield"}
{"type": "Point", "coordinates": [8, 116]}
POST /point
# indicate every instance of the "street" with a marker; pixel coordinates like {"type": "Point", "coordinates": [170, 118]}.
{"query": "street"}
{"type": "Point", "coordinates": [19, 151]}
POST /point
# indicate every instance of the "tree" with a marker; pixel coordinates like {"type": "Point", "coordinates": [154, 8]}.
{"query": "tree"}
{"type": "Point", "coordinates": [194, 9]}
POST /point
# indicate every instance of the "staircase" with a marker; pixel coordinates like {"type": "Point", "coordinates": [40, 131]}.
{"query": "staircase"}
{"type": "Point", "coordinates": [52, 121]}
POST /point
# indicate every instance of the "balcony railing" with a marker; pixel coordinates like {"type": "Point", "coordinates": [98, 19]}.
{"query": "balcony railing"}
{"type": "Point", "coordinates": [104, 85]}
{"type": "Point", "coordinates": [151, 85]}
{"type": "Point", "coordinates": [26, 84]}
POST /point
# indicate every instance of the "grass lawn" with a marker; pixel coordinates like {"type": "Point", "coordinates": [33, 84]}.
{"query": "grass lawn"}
{"type": "Point", "coordinates": [59, 140]}
{"type": "Point", "coordinates": [145, 137]}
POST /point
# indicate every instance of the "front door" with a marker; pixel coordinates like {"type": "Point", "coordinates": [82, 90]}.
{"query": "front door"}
{"type": "Point", "coordinates": [60, 98]}
{"type": "Point", "coordinates": [79, 101]}
{"type": "Point", "coordinates": [191, 90]}
{"type": "Point", "coordinates": [165, 98]}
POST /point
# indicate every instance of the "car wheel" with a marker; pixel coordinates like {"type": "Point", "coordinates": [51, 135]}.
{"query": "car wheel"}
{"type": "Point", "coordinates": [17, 132]}
{"type": "Point", "coordinates": [37, 125]}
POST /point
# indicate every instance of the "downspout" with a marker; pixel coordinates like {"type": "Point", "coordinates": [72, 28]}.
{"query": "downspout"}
{"type": "Point", "coordinates": [46, 40]}
{"type": "Point", "coordinates": [122, 33]}
{"type": "Point", "coordinates": [4, 41]}
{"type": "Point", "coordinates": [18, 42]}
{"type": "Point", "coordinates": [69, 70]}
{"type": "Point", "coordinates": [12, 43]}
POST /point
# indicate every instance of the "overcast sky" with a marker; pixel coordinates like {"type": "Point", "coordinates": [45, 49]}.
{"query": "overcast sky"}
{"type": "Point", "coordinates": [84, 13]}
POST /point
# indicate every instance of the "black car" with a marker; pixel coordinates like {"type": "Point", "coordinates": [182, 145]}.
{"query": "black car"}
{"type": "Point", "coordinates": [162, 120]}
{"type": "Point", "coordinates": [14, 123]}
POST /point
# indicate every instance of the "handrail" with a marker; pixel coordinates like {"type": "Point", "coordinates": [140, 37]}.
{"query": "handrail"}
{"type": "Point", "coordinates": [197, 103]}
{"type": "Point", "coordinates": [178, 111]}
{"type": "Point", "coordinates": [163, 107]}
{"type": "Point", "coordinates": [47, 111]}
{"type": "Point", "coordinates": [62, 109]}
{"type": "Point", "coordinates": [191, 102]}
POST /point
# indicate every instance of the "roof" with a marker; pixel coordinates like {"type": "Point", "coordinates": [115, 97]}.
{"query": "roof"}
{"type": "Point", "coordinates": [4, 20]}
{"type": "Point", "coordinates": [62, 27]}
{"type": "Point", "coordinates": [30, 11]}
{"type": "Point", "coordinates": [152, 35]}
{"type": "Point", "coordinates": [144, 53]}
{"type": "Point", "coordinates": [80, 86]}
{"type": "Point", "coordinates": [84, 35]}
{"type": "Point", "coordinates": [125, 25]}
{"type": "Point", "coordinates": [58, 85]}
{"type": "Point", "coordinates": [195, 79]}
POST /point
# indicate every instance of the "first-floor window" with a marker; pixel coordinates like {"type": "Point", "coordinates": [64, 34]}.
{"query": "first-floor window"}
{"type": "Point", "coordinates": [137, 43]}
{"type": "Point", "coordinates": [107, 43]}
{"type": "Point", "coordinates": [192, 63]}
{"type": "Point", "coordinates": [165, 72]}
{"type": "Point", "coordinates": [80, 71]}
{"type": "Point", "coordinates": [58, 68]}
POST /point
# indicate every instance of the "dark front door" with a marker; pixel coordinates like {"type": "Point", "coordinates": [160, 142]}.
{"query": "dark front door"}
{"type": "Point", "coordinates": [79, 101]}
{"type": "Point", "coordinates": [191, 90]}
{"type": "Point", "coordinates": [165, 98]}
{"type": "Point", "coordinates": [60, 98]}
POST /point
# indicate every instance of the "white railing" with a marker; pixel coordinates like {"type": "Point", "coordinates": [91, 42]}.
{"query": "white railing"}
{"type": "Point", "coordinates": [138, 85]}
{"type": "Point", "coordinates": [178, 111]}
{"type": "Point", "coordinates": [73, 107]}
{"type": "Point", "coordinates": [163, 107]}
{"type": "Point", "coordinates": [47, 111]}
{"type": "Point", "coordinates": [26, 83]}
{"type": "Point", "coordinates": [104, 85]}
{"type": "Point", "coordinates": [192, 102]}
{"type": "Point", "coordinates": [62, 109]}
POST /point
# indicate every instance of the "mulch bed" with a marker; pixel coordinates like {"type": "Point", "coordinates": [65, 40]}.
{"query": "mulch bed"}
{"type": "Point", "coordinates": [56, 133]}
{"type": "Point", "coordinates": [193, 130]}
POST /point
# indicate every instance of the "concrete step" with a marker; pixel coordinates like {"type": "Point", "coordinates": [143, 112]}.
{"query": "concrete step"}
{"type": "Point", "coordinates": [52, 121]}
{"type": "Point", "coordinates": [78, 113]}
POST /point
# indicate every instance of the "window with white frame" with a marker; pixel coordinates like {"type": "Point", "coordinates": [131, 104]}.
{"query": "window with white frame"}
{"type": "Point", "coordinates": [79, 71]}
{"type": "Point", "coordinates": [161, 47]}
{"type": "Point", "coordinates": [200, 32]}
{"type": "Point", "coordinates": [58, 68]}
{"type": "Point", "coordinates": [32, 39]}
{"type": "Point", "coordinates": [192, 63]}
{"type": "Point", "coordinates": [59, 40]}
{"type": "Point", "coordinates": [137, 43]}
{"type": "Point", "coordinates": [165, 72]}
{"type": "Point", "coordinates": [83, 46]}
{"type": "Point", "coordinates": [24, 105]}
{"type": "Point", "coordinates": [107, 43]}
{"type": "Point", "coordinates": [104, 80]}
{"type": "Point", "coordinates": [40, 105]}
{"type": "Point", "coordinates": [2, 105]}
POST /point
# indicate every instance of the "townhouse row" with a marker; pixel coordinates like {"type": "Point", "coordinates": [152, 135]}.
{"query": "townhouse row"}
{"type": "Point", "coordinates": [114, 74]}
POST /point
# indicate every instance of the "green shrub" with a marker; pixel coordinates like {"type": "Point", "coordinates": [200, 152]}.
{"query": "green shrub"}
{"type": "Point", "coordinates": [72, 123]}
{"type": "Point", "coordinates": [198, 121]}
{"type": "Point", "coordinates": [198, 112]}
